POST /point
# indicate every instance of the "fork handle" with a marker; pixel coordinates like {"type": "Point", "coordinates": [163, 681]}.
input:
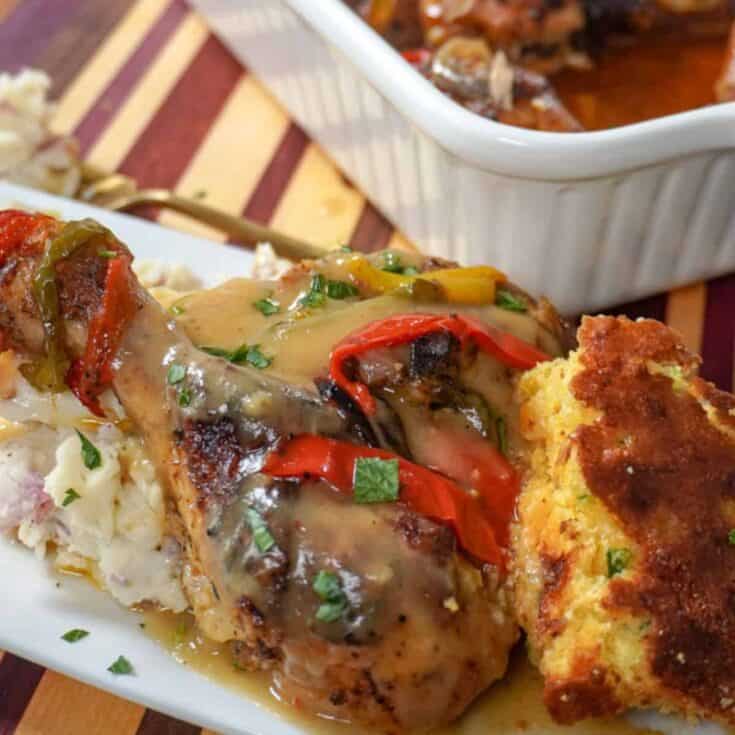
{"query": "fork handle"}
{"type": "Point", "coordinates": [239, 228]}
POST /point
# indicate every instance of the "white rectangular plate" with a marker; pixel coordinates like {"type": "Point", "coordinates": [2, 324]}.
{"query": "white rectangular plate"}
{"type": "Point", "coordinates": [36, 613]}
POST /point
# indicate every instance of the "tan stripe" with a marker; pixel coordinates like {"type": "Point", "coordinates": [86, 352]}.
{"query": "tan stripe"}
{"type": "Point", "coordinates": [6, 7]}
{"type": "Point", "coordinates": [685, 313]}
{"type": "Point", "coordinates": [106, 63]}
{"type": "Point", "coordinates": [65, 707]}
{"type": "Point", "coordinates": [401, 242]}
{"type": "Point", "coordinates": [318, 205]}
{"type": "Point", "coordinates": [230, 161]}
{"type": "Point", "coordinates": [147, 97]}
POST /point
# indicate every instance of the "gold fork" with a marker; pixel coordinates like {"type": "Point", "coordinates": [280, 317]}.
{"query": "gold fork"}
{"type": "Point", "coordinates": [121, 193]}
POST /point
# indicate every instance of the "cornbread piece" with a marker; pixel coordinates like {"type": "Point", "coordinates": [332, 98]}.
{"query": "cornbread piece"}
{"type": "Point", "coordinates": [624, 565]}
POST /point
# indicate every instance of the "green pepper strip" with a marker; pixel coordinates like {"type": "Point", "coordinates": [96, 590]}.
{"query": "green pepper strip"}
{"type": "Point", "coordinates": [48, 373]}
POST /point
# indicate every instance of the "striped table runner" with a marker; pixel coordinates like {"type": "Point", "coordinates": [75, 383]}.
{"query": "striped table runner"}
{"type": "Point", "coordinates": [150, 92]}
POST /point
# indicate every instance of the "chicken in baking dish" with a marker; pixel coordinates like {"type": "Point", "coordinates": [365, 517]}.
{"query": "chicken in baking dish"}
{"type": "Point", "coordinates": [336, 453]}
{"type": "Point", "coordinates": [624, 548]}
{"type": "Point", "coordinates": [548, 65]}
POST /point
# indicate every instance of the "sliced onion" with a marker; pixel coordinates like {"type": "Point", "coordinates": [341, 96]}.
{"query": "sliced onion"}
{"type": "Point", "coordinates": [462, 67]}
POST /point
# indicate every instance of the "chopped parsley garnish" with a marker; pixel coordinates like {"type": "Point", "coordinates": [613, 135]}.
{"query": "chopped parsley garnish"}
{"type": "Point", "coordinates": [121, 666]}
{"type": "Point", "coordinates": [346, 249]}
{"type": "Point", "coordinates": [334, 601]}
{"type": "Point", "coordinates": [321, 288]}
{"type": "Point", "coordinates": [267, 307]}
{"type": "Point", "coordinates": [618, 561]}
{"type": "Point", "coordinates": [509, 301]}
{"type": "Point", "coordinates": [69, 497]}
{"type": "Point", "coordinates": [250, 354]}
{"type": "Point", "coordinates": [108, 254]}
{"type": "Point", "coordinates": [392, 263]}
{"type": "Point", "coordinates": [731, 537]}
{"type": "Point", "coordinates": [256, 358]}
{"type": "Point", "coordinates": [184, 397]}
{"type": "Point", "coordinates": [317, 294]}
{"type": "Point", "coordinates": [177, 310]}
{"type": "Point", "coordinates": [262, 537]}
{"type": "Point", "coordinates": [90, 454]}
{"type": "Point", "coordinates": [176, 373]}
{"type": "Point", "coordinates": [341, 290]}
{"type": "Point", "coordinates": [501, 429]}
{"type": "Point", "coordinates": [74, 635]}
{"type": "Point", "coordinates": [217, 352]}
{"type": "Point", "coordinates": [375, 480]}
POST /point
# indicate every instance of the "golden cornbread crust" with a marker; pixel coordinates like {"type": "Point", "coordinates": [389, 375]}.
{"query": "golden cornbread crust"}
{"type": "Point", "coordinates": [634, 459]}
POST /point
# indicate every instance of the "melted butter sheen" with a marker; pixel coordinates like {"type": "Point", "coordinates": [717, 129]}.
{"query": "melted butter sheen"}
{"type": "Point", "coordinates": [512, 707]}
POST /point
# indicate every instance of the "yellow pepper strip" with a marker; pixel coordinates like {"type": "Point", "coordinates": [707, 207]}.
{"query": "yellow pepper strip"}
{"type": "Point", "coordinates": [475, 285]}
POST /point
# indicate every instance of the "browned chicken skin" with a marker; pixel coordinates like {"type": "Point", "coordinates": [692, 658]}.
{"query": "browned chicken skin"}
{"type": "Point", "coordinates": [426, 629]}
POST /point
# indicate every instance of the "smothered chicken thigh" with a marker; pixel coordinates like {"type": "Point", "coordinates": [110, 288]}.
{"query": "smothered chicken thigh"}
{"type": "Point", "coordinates": [343, 489]}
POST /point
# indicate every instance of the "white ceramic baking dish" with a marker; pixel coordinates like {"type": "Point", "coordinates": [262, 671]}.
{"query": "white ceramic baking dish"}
{"type": "Point", "coordinates": [589, 219]}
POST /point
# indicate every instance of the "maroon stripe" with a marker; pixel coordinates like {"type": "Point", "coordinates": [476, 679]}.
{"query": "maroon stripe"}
{"type": "Point", "coordinates": [164, 149]}
{"type": "Point", "coordinates": [18, 681]}
{"type": "Point", "coordinates": [108, 104]}
{"type": "Point", "coordinates": [58, 37]}
{"type": "Point", "coordinates": [372, 232]}
{"type": "Point", "coordinates": [29, 29]}
{"type": "Point", "coordinates": [272, 185]}
{"type": "Point", "coordinates": [154, 723]}
{"type": "Point", "coordinates": [653, 307]}
{"type": "Point", "coordinates": [718, 339]}
{"type": "Point", "coordinates": [71, 49]}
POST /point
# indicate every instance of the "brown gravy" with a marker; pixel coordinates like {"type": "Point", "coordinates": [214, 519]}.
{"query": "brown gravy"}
{"type": "Point", "coordinates": [225, 317]}
{"type": "Point", "coordinates": [512, 707]}
{"type": "Point", "coordinates": [643, 81]}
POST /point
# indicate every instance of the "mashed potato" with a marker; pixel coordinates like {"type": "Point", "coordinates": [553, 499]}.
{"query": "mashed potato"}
{"type": "Point", "coordinates": [29, 153]}
{"type": "Point", "coordinates": [108, 522]}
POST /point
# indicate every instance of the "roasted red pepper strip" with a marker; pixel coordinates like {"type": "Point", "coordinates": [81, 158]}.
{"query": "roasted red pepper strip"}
{"type": "Point", "coordinates": [92, 374]}
{"type": "Point", "coordinates": [417, 56]}
{"type": "Point", "coordinates": [404, 328]}
{"type": "Point", "coordinates": [472, 461]}
{"type": "Point", "coordinates": [425, 492]}
{"type": "Point", "coordinates": [16, 228]}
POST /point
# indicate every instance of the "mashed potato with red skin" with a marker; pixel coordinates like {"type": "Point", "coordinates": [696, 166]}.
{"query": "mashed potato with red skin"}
{"type": "Point", "coordinates": [109, 522]}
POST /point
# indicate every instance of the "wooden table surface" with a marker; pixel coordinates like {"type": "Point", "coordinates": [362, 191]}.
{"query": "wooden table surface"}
{"type": "Point", "coordinates": [149, 91]}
